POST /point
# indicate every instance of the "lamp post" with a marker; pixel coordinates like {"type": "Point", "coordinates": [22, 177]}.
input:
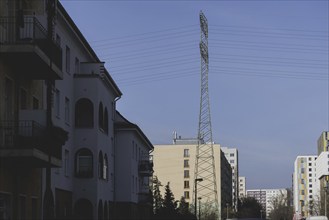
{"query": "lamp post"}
{"type": "Point", "coordinates": [199, 207]}
{"type": "Point", "coordinates": [196, 194]}
{"type": "Point", "coordinates": [325, 196]}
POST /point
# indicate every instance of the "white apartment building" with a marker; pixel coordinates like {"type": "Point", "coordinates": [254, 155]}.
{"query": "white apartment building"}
{"type": "Point", "coordinates": [134, 170]}
{"type": "Point", "coordinates": [242, 187]}
{"type": "Point", "coordinates": [232, 157]}
{"type": "Point", "coordinates": [175, 163]}
{"type": "Point", "coordinates": [266, 197]}
{"type": "Point", "coordinates": [306, 185]}
{"type": "Point", "coordinates": [82, 178]}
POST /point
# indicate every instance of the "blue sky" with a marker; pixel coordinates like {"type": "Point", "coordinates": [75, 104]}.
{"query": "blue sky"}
{"type": "Point", "coordinates": [268, 73]}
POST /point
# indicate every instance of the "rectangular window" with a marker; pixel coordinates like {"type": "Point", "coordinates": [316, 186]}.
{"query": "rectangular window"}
{"type": "Point", "coordinates": [34, 208]}
{"type": "Point", "coordinates": [186, 174]}
{"type": "Point", "coordinates": [23, 99]}
{"type": "Point", "coordinates": [77, 65]}
{"type": "Point", "coordinates": [186, 163]}
{"type": "Point", "coordinates": [187, 194]}
{"type": "Point", "coordinates": [133, 154]}
{"type": "Point", "coordinates": [67, 110]}
{"type": "Point", "coordinates": [113, 111]}
{"type": "Point", "coordinates": [66, 163]}
{"type": "Point", "coordinates": [5, 206]}
{"type": "Point", "coordinates": [133, 183]}
{"type": "Point", "coordinates": [58, 40]}
{"type": "Point", "coordinates": [57, 103]}
{"type": "Point", "coordinates": [22, 207]}
{"type": "Point", "coordinates": [231, 155]}
{"type": "Point", "coordinates": [68, 59]}
{"type": "Point", "coordinates": [35, 103]}
{"type": "Point", "coordinates": [186, 184]}
{"type": "Point", "coordinates": [186, 153]}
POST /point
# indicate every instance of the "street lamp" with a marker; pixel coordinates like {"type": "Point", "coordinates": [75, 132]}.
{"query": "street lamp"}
{"type": "Point", "coordinates": [196, 194]}
{"type": "Point", "coordinates": [325, 196]}
{"type": "Point", "coordinates": [199, 207]}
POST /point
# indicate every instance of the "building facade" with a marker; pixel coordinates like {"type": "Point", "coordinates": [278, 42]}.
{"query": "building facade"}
{"type": "Point", "coordinates": [232, 157]}
{"type": "Point", "coordinates": [242, 187]}
{"type": "Point", "coordinates": [305, 184]}
{"type": "Point", "coordinates": [322, 168]}
{"type": "Point", "coordinates": [175, 163]}
{"type": "Point", "coordinates": [58, 146]}
{"type": "Point", "coordinates": [266, 197]}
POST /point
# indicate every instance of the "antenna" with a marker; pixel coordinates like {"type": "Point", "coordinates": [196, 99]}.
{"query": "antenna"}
{"type": "Point", "coordinates": [205, 174]}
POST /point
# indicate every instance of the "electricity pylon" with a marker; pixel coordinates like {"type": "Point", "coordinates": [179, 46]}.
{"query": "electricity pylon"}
{"type": "Point", "coordinates": [205, 185]}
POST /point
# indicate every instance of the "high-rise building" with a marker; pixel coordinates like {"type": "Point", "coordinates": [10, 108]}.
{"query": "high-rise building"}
{"type": "Point", "coordinates": [322, 166]}
{"type": "Point", "coordinates": [232, 157]}
{"type": "Point", "coordinates": [175, 163]}
{"type": "Point", "coordinates": [242, 187]}
{"type": "Point", "coordinates": [306, 185]}
{"type": "Point", "coordinates": [266, 196]}
{"type": "Point", "coordinates": [323, 141]}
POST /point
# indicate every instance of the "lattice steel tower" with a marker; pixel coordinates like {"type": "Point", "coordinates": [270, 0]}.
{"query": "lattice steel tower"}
{"type": "Point", "coordinates": [205, 185]}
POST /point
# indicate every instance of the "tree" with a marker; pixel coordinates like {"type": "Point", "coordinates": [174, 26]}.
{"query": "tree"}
{"type": "Point", "coordinates": [157, 197]}
{"type": "Point", "coordinates": [183, 210]}
{"type": "Point", "coordinates": [281, 208]}
{"type": "Point", "coordinates": [169, 203]}
{"type": "Point", "coordinates": [249, 208]}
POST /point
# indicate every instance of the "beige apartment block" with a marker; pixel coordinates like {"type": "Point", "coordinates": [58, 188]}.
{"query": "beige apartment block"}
{"type": "Point", "coordinates": [175, 163]}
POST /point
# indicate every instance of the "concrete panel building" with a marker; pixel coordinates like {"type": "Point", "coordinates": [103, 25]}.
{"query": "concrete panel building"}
{"type": "Point", "coordinates": [266, 197]}
{"type": "Point", "coordinates": [242, 187]}
{"type": "Point", "coordinates": [232, 157]}
{"type": "Point", "coordinates": [306, 185]}
{"type": "Point", "coordinates": [175, 163]}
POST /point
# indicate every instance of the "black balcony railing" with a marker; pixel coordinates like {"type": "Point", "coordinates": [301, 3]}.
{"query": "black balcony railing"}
{"type": "Point", "coordinates": [146, 167]}
{"type": "Point", "coordinates": [28, 135]}
{"type": "Point", "coordinates": [28, 30]}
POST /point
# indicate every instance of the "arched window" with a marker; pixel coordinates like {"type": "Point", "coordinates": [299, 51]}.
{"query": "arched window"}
{"type": "Point", "coordinates": [101, 116]}
{"type": "Point", "coordinates": [106, 121]}
{"type": "Point", "coordinates": [105, 168]}
{"type": "Point", "coordinates": [84, 163]}
{"type": "Point", "coordinates": [84, 113]}
{"type": "Point", "coordinates": [100, 165]}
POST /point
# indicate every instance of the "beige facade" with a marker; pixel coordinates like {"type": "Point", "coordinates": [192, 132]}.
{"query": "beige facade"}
{"type": "Point", "coordinates": [175, 163]}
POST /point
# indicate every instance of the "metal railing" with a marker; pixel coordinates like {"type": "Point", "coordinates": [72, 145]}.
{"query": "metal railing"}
{"type": "Point", "coordinates": [28, 30]}
{"type": "Point", "coordinates": [21, 134]}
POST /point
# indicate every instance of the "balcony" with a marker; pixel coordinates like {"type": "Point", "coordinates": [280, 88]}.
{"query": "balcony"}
{"type": "Point", "coordinates": [25, 46]}
{"type": "Point", "coordinates": [145, 194]}
{"type": "Point", "coordinates": [145, 167]}
{"type": "Point", "coordinates": [28, 143]}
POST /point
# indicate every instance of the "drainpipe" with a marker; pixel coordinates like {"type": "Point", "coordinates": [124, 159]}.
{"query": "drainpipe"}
{"type": "Point", "coordinates": [114, 155]}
